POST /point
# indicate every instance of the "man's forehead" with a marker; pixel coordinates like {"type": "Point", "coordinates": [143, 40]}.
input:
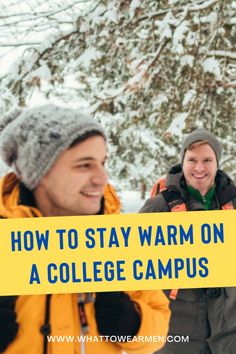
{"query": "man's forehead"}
{"type": "Point", "coordinates": [205, 149]}
{"type": "Point", "coordinates": [90, 149]}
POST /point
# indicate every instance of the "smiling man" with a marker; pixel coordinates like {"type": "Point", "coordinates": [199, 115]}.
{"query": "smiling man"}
{"type": "Point", "coordinates": [206, 316]}
{"type": "Point", "coordinates": [79, 189]}
{"type": "Point", "coordinates": [58, 157]}
{"type": "Point", "coordinates": [200, 167]}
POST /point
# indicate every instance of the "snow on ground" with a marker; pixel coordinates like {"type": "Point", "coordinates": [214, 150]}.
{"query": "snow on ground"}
{"type": "Point", "coordinates": [131, 201]}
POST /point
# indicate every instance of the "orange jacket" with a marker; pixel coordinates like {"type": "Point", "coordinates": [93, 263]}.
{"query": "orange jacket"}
{"type": "Point", "coordinates": [64, 319]}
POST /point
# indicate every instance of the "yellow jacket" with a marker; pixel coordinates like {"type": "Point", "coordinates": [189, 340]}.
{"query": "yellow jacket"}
{"type": "Point", "coordinates": [64, 319]}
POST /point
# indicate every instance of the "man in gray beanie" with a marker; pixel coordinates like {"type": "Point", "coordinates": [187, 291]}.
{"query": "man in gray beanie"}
{"type": "Point", "coordinates": [202, 135]}
{"type": "Point", "coordinates": [32, 140]}
{"type": "Point", "coordinates": [58, 160]}
{"type": "Point", "coordinates": [207, 317]}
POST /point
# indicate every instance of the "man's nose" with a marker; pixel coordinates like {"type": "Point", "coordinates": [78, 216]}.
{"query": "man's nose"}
{"type": "Point", "coordinates": [199, 166]}
{"type": "Point", "coordinates": [100, 176]}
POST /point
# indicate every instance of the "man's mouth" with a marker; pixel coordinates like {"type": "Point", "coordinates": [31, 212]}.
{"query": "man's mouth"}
{"type": "Point", "coordinates": [199, 176]}
{"type": "Point", "coordinates": [95, 194]}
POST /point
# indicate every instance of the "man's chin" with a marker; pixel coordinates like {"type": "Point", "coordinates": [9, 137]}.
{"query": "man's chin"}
{"type": "Point", "coordinates": [199, 181]}
{"type": "Point", "coordinates": [91, 210]}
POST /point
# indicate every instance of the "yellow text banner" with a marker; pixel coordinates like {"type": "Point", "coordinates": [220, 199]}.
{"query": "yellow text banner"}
{"type": "Point", "coordinates": [117, 252]}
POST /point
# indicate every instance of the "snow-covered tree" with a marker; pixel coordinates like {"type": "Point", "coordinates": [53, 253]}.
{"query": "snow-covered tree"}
{"type": "Point", "coordinates": [149, 70]}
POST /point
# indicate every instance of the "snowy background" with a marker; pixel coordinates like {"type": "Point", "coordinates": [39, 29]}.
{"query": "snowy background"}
{"type": "Point", "coordinates": [150, 71]}
{"type": "Point", "coordinates": [131, 201]}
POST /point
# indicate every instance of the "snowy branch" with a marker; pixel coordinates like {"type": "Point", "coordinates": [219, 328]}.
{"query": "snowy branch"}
{"type": "Point", "coordinates": [203, 6]}
{"type": "Point", "coordinates": [222, 54]}
{"type": "Point", "coordinates": [17, 44]}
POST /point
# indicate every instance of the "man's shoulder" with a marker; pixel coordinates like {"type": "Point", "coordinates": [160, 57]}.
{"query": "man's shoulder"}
{"type": "Point", "coordinates": [155, 205]}
{"type": "Point", "coordinates": [234, 203]}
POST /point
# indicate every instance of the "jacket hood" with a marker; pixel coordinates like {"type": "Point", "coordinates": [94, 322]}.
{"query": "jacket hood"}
{"type": "Point", "coordinates": [175, 179]}
{"type": "Point", "coordinates": [225, 187]}
{"type": "Point", "coordinates": [9, 199]}
{"type": "Point", "coordinates": [112, 201]}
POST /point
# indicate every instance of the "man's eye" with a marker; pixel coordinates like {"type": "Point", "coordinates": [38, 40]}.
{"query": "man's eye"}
{"type": "Point", "coordinates": [85, 165]}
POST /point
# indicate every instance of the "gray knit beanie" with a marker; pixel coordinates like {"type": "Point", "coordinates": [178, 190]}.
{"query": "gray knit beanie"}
{"type": "Point", "coordinates": [31, 140]}
{"type": "Point", "coordinates": [199, 135]}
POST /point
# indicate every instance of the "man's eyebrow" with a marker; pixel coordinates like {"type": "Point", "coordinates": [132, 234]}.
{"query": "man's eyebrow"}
{"type": "Point", "coordinates": [87, 158]}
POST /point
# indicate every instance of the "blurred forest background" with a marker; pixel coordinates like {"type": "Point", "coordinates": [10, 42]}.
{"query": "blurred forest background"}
{"type": "Point", "coordinates": [150, 71]}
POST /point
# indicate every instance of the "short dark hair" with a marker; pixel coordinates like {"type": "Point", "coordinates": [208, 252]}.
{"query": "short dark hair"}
{"type": "Point", "coordinates": [85, 136]}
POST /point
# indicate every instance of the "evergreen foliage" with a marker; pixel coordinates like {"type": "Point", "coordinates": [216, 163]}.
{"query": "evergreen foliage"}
{"type": "Point", "coordinates": [150, 71]}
